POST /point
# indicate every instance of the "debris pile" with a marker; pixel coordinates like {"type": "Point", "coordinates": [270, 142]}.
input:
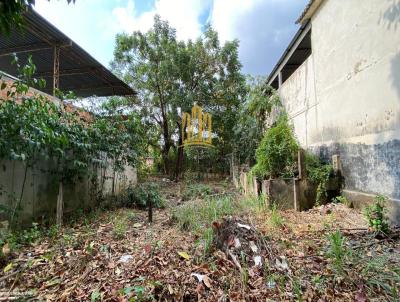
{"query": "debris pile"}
{"type": "Point", "coordinates": [242, 243]}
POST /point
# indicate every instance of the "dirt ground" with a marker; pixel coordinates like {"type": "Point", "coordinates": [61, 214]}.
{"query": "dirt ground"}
{"type": "Point", "coordinates": [97, 258]}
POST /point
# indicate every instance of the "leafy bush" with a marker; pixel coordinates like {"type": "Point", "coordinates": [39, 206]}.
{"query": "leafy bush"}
{"type": "Point", "coordinates": [318, 173]}
{"type": "Point", "coordinates": [139, 195]}
{"type": "Point", "coordinates": [276, 155]}
{"type": "Point", "coordinates": [196, 190]}
{"type": "Point", "coordinates": [375, 214]}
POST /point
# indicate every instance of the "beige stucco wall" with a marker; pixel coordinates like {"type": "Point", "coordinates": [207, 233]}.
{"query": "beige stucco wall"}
{"type": "Point", "coordinates": [345, 98]}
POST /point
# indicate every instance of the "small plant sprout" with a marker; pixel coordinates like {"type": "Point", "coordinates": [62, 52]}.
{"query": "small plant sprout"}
{"type": "Point", "coordinates": [120, 228]}
{"type": "Point", "coordinates": [376, 217]}
{"type": "Point", "coordinates": [337, 251]}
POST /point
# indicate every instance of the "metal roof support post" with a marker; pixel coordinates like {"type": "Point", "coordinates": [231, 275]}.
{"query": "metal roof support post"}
{"type": "Point", "coordinates": [280, 79]}
{"type": "Point", "coordinates": [56, 69]}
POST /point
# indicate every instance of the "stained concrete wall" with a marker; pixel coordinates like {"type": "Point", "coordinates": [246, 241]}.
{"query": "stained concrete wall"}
{"type": "Point", "coordinates": [41, 188]}
{"type": "Point", "coordinates": [345, 98]}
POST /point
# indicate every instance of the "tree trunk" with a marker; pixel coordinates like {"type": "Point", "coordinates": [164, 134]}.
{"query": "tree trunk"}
{"type": "Point", "coordinates": [179, 158]}
{"type": "Point", "coordinates": [60, 204]}
{"type": "Point", "coordinates": [165, 129]}
{"type": "Point", "coordinates": [20, 196]}
{"type": "Point", "coordinates": [150, 209]}
{"type": "Point", "coordinates": [113, 181]}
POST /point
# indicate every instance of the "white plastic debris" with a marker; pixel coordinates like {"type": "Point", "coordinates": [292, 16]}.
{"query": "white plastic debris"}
{"type": "Point", "coordinates": [237, 243]}
{"type": "Point", "coordinates": [281, 263]}
{"type": "Point", "coordinates": [245, 226]}
{"type": "Point", "coordinates": [257, 261]}
{"type": "Point", "coordinates": [253, 246]}
{"type": "Point", "coordinates": [199, 277]}
{"type": "Point", "coordinates": [125, 258]}
{"type": "Point", "coordinates": [202, 278]}
{"type": "Point", "coordinates": [271, 284]}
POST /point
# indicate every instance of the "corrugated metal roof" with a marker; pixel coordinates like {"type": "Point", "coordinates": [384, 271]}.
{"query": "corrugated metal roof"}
{"type": "Point", "coordinates": [79, 71]}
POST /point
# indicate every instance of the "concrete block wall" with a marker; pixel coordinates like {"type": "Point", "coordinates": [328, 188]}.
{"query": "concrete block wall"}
{"type": "Point", "coordinates": [41, 189]}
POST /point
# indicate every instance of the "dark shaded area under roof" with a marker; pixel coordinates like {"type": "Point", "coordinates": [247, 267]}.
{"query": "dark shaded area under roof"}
{"type": "Point", "coordinates": [78, 71]}
{"type": "Point", "coordinates": [296, 53]}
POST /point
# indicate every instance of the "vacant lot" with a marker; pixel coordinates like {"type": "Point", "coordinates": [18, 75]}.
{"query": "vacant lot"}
{"type": "Point", "coordinates": [210, 244]}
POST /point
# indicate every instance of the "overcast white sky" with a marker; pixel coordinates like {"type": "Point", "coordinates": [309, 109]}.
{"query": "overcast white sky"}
{"type": "Point", "coordinates": [264, 27]}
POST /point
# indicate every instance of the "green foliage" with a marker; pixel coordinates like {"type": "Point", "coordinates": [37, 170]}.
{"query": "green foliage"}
{"type": "Point", "coordinates": [382, 275]}
{"type": "Point", "coordinates": [35, 128]}
{"type": "Point", "coordinates": [276, 219]}
{"type": "Point", "coordinates": [318, 173]}
{"type": "Point", "coordinates": [277, 151]}
{"type": "Point", "coordinates": [261, 101]}
{"type": "Point", "coordinates": [337, 250]}
{"type": "Point", "coordinates": [95, 295]}
{"type": "Point", "coordinates": [16, 239]}
{"type": "Point", "coordinates": [120, 228]}
{"type": "Point", "coordinates": [53, 231]}
{"type": "Point", "coordinates": [196, 215]}
{"type": "Point", "coordinates": [208, 238]}
{"type": "Point", "coordinates": [139, 195]}
{"type": "Point", "coordinates": [196, 190]}
{"type": "Point", "coordinates": [376, 215]}
{"type": "Point", "coordinates": [131, 216]}
{"type": "Point", "coordinates": [172, 75]}
{"type": "Point", "coordinates": [344, 200]}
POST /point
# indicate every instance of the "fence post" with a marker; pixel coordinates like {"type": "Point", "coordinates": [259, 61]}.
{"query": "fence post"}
{"type": "Point", "coordinates": [296, 194]}
{"type": "Point", "coordinates": [301, 164]}
{"type": "Point", "coordinates": [150, 208]}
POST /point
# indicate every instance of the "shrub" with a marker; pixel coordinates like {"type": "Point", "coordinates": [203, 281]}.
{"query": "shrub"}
{"type": "Point", "coordinates": [139, 195]}
{"type": "Point", "coordinates": [276, 154]}
{"type": "Point", "coordinates": [376, 217]}
{"type": "Point", "coordinates": [318, 173]}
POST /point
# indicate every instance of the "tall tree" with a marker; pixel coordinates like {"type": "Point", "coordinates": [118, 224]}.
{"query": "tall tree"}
{"type": "Point", "coordinates": [146, 61]}
{"type": "Point", "coordinates": [173, 75]}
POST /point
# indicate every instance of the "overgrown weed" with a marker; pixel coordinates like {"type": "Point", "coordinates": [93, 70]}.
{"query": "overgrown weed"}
{"type": "Point", "coordinates": [376, 215]}
{"type": "Point", "coordinates": [197, 190]}
{"type": "Point", "coordinates": [120, 228]}
{"type": "Point", "coordinates": [276, 220]}
{"type": "Point", "coordinates": [337, 251]}
{"type": "Point", "coordinates": [197, 217]}
{"type": "Point", "coordinates": [381, 275]}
